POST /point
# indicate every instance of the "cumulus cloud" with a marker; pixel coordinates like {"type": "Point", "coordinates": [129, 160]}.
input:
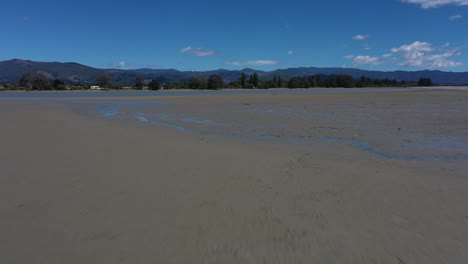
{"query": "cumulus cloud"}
{"type": "Point", "coordinates": [414, 49]}
{"type": "Point", "coordinates": [361, 37]}
{"type": "Point", "coordinates": [366, 60]}
{"type": "Point", "coordinates": [198, 51]}
{"type": "Point", "coordinates": [436, 3]}
{"type": "Point", "coordinates": [455, 17]}
{"type": "Point", "coordinates": [290, 52]}
{"type": "Point", "coordinates": [423, 55]}
{"type": "Point", "coordinates": [388, 55]}
{"type": "Point", "coordinates": [254, 63]}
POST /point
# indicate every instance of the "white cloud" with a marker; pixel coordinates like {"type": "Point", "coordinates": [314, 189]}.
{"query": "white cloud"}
{"type": "Point", "coordinates": [291, 52]}
{"type": "Point", "coordinates": [414, 49]}
{"type": "Point", "coordinates": [436, 3]}
{"type": "Point", "coordinates": [367, 47]}
{"type": "Point", "coordinates": [186, 49]}
{"type": "Point", "coordinates": [420, 54]}
{"type": "Point", "coordinates": [198, 51]}
{"type": "Point", "coordinates": [361, 37]}
{"type": "Point", "coordinates": [121, 64]}
{"type": "Point", "coordinates": [254, 63]}
{"type": "Point", "coordinates": [455, 17]}
{"type": "Point", "coordinates": [203, 53]}
{"type": "Point", "coordinates": [366, 60]}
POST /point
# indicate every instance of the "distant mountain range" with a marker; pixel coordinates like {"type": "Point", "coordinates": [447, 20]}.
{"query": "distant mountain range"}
{"type": "Point", "coordinates": [71, 72]}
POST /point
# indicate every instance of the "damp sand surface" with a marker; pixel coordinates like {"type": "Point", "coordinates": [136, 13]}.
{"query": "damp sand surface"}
{"type": "Point", "coordinates": [336, 177]}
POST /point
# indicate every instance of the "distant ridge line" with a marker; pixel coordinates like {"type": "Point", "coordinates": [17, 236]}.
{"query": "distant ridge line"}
{"type": "Point", "coordinates": [73, 72]}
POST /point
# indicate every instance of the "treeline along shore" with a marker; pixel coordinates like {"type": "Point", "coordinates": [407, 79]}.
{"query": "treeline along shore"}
{"type": "Point", "coordinates": [38, 81]}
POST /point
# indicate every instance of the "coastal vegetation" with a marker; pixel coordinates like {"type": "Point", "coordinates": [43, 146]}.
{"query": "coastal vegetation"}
{"type": "Point", "coordinates": [39, 81]}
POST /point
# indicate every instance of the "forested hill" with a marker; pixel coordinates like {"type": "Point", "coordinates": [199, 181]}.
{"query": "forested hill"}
{"type": "Point", "coordinates": [11, 71]}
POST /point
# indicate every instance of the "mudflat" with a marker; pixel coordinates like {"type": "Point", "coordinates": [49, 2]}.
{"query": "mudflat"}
{"type": "Point", "coordinates": [365, 177]}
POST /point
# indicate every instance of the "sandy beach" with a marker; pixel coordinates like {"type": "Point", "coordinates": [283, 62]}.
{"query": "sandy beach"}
{"type": "Point", "coordinates": [336, 177]}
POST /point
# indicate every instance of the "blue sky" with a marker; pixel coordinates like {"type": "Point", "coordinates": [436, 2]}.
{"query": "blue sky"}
{"type": "Point", "coordinates": [265, 35]}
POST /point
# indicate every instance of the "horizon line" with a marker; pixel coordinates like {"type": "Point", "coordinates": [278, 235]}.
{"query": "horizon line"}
{"type": "Point", "coordinates": [149, 68]}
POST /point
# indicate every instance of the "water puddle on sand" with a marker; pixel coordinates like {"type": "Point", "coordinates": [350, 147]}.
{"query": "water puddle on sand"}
{"type": "Point", "coordinates": [145, 120]}
{"type": "Point", "coordinates": [437, 147]}
{"type": "Point", "coordinates": [447, 145]}
{"type": "Point", "coordinates": [361, 145]}
{"type": "Point", "coordinates": [453, 148]}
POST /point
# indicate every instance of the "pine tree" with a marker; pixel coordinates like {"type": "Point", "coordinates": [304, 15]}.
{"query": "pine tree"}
{"type": "Point", "coordinates": [255, 80]}
{"type": "Point", "coordinates": [275, 82]}
{"type": "Point", "coordinates": [243, 81]}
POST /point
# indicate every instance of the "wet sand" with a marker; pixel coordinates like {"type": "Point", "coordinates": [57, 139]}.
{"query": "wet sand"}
{"type": "Point", "coordinates": [317, 178]}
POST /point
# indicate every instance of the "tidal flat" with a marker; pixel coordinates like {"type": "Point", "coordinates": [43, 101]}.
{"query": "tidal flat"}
{"type": "Point", "coordinates": [280, 176]}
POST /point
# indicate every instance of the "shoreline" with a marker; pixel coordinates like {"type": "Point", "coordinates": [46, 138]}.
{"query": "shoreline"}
{"type": "Point", "coordinates": [227, 92]}
{"type": "Point", "coordinates": [239, 89]}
